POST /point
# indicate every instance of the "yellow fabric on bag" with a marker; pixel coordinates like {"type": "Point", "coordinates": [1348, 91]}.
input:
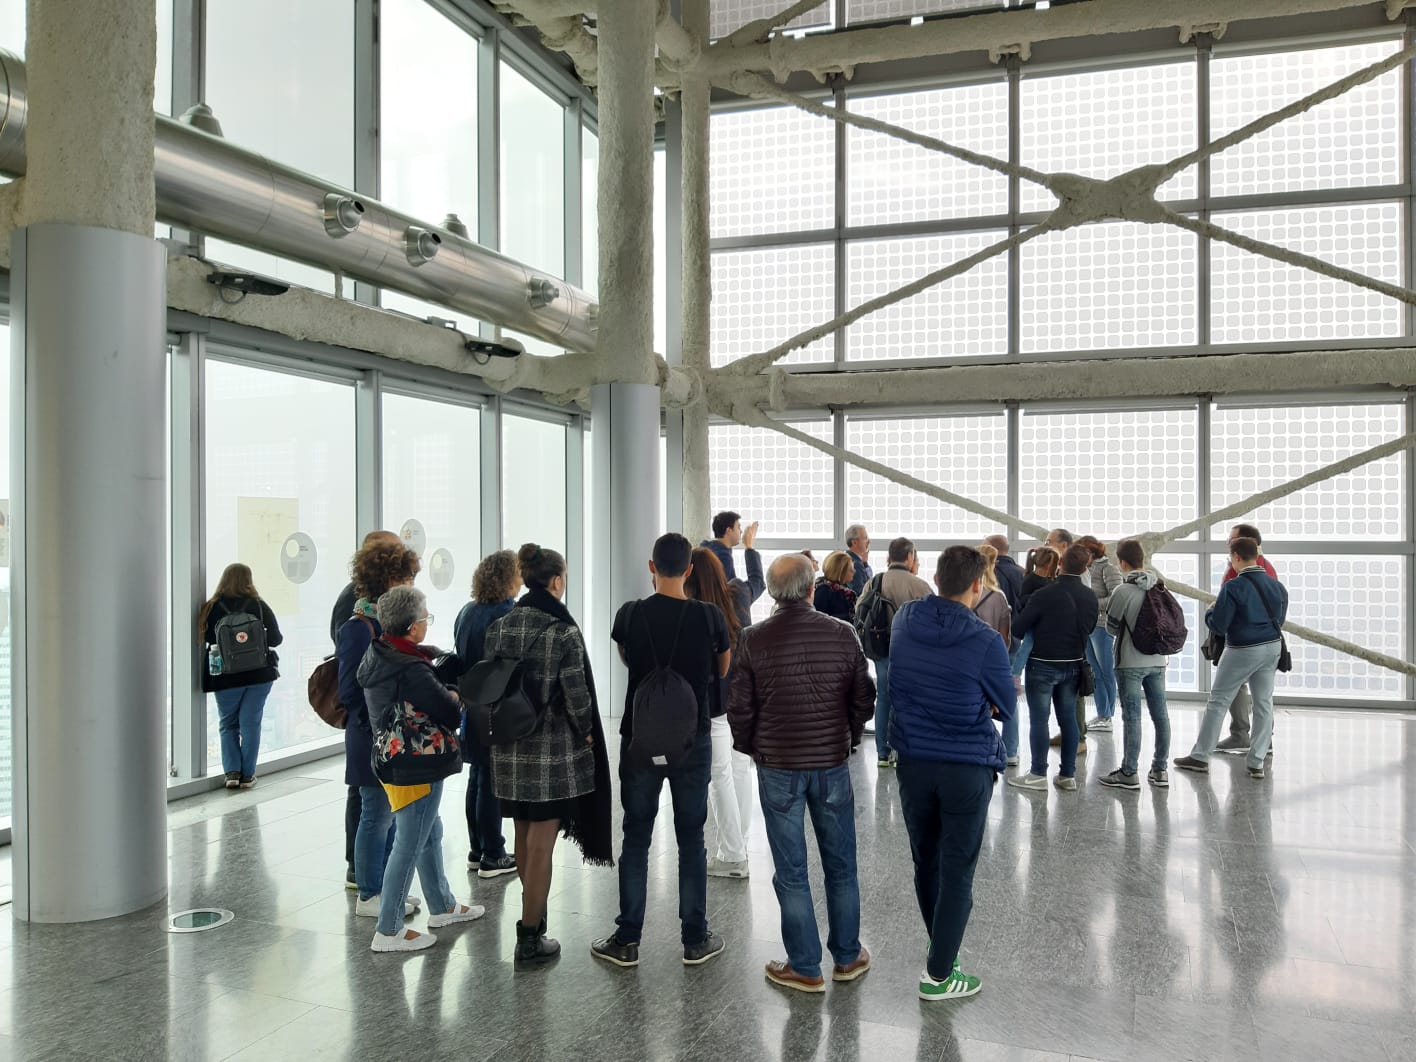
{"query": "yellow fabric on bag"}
{"type": "Point", "coordinates": [400, 796]}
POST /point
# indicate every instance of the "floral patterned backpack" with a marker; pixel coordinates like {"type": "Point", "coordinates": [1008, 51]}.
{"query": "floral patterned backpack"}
{"type": "Point", "coordinates": [410, 748]}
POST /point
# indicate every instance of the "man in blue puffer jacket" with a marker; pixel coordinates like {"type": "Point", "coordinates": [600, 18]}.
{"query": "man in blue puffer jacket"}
{"type": "Point", "coordinates": [949, 679]}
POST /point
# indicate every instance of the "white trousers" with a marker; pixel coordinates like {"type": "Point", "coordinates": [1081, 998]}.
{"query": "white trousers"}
{"type": "Point", "coordinates": [730, 794]}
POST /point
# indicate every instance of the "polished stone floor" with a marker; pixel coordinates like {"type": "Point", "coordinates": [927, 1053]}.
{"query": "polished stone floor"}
{"type": "Point", "coordinates": [1224, 918]}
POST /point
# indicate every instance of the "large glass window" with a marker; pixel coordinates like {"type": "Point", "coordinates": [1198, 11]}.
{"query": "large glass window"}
{"type": "Point", "coordinates": [533, 482]}
{"type": "Point", "coordinates": [432, 496]}
{"type": "Point", "coordinates": [280, 498]}
{"type": "Point", "coordinates": [532, 174]}
{"type": "Point", "coordinates": [783, 484]}
{"type": "Point", "coordinates": [7, 729]}
{"type": "Point", "coordinates": [428, 131]}
{"type": "Point", "coordinates": [278, 93]}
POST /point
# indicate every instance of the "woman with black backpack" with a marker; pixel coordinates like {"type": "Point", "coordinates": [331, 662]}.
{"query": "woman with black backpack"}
{"type": "Point", "coordinates": [238, 632]}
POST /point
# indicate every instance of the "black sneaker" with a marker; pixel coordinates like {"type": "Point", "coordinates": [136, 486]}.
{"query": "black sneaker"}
{"type": "Point", "coordinates": [474, 860]}
{"type": "Point", "coordinates": [611, 950]}
{"type": "Point", "coordinates": [496, 866]}
{"type": "Point", "coordinates": [705, 949]}
{"type": "Point", "coordinates": [350, 882]}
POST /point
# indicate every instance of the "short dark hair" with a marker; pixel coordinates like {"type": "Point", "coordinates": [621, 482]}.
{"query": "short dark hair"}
{"type": "Point", "coordinates": [1247, 531]}
{"type": "Point", "coordinates": [672, 554]}
{"type": "Point", "coordinates": [900, 550]}
{"type": "Point", "coordinates": [1131, 552]}
{"type": "Point", "coordinates": [723, 522]}
{"type": "Point", "coordinates": [1076, 560]}
{"type": "Point", "coordinates": [1244, 548]}
{"type": "Point", "coordinates": [959, 567]}
{"type": "Point", "coordinates": [539, 565]}
{"type": "Point", "coordinates": [1063, 535]}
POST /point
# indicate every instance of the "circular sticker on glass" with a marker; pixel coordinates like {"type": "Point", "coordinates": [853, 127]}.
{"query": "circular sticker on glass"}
{"type": "Point", "coordinates": [298, 557]}
{"type": "Point", "coordinates": [440, 569]}
{"type": "Point", "coordinates": [414, 537]}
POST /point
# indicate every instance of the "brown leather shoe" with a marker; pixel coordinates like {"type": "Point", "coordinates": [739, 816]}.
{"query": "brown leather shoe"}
{"type": "Point", "coordinates": [780, 973]}
{"type": "Point", "coordinates": [851, 971]}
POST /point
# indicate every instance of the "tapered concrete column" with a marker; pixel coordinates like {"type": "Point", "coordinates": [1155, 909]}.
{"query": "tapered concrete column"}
{"type": "Point", "coordinates": [87, 341]}
{"type": "Point", "coordinates": [697, 276]}
{"type": "Point", "coordinates": [627, 410]}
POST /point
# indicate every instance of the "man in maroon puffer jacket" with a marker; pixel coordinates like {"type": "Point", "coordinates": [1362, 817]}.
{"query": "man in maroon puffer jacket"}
{"type": "Point", "coordinates": [801, 696]}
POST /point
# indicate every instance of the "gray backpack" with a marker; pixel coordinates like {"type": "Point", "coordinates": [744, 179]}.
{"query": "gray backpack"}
{"type": "Point", "coordinates": [241, 638]}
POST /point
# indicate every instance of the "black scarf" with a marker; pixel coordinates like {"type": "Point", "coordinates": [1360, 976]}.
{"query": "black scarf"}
{"type": "Point", "coordinates": [590, 826]}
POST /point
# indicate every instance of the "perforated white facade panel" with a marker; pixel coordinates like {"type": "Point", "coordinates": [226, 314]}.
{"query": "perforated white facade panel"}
{"type": "Point", "coordinates": [761, 297]}
{"type": "Point", "coordinates": [965, 454]}
{"type": "Point", "coordinates": [891, 181]}
{"type": "Point", "coordinates": [725, 16]}
{"type": "Point", "coordinates": [1256, 299]}
{"type": "Point", "coordinates": [771, 170]}
{"type": "Point", "coordinates": [785, 485]}
{"type": "Point", "coordinates": [1120, 284]}
{"type": "Point", "coordinates": [967, 315]}
{"type": "Point", "coordinates": [879, 10]}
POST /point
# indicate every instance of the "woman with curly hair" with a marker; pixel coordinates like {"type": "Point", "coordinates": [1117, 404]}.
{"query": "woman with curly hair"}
{"type": "Point", "coordinates": [376, 568]}
{"type": "Point", "coordinates": [494, 587]}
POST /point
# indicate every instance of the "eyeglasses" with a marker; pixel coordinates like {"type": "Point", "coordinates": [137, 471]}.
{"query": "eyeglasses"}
{"type": "Point", "coordinates": [428, 619]}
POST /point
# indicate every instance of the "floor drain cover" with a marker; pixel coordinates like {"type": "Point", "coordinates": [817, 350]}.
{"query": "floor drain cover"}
{"type": "Point", "coordinates": [198, 919]}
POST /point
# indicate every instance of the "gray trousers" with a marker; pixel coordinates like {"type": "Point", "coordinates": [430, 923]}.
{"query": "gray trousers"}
{"type": "Point", "coordinates": [1239, 711]}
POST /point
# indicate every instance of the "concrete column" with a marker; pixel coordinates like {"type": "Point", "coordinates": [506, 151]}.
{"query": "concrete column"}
{"type": "Point", "coordinates": [697, 277]}
{"type": "Point", "coordinates": [626, 406]}
{"type": "Point", "coordinates": [88, 302]}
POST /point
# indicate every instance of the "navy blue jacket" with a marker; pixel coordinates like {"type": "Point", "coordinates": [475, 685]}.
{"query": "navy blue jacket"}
{"type": "Point", "coordinates": [1010, 580]}
{"type": "Point", "coordinates": [947, 669]}
{"type": "Point", "coordinates": [1238, 612]}
{"type": "Point", "coordinates": [353, 642]}
{"type": "Point", "coordinates": [863, 575]}
{"type": "Point", "coordinates": [723, 554]}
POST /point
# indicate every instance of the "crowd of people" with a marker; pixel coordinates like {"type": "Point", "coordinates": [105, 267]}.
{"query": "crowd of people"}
{"type": "Point", "coordinates": [713, 698]}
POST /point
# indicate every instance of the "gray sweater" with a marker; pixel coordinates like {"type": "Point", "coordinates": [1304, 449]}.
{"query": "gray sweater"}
{"type": "Point", "coordinates": [1121, 612]}
{"type": "Point", "coordinates": [1105, 578]}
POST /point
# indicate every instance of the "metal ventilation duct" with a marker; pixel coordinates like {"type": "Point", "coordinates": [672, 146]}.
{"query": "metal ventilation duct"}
{"type": "Point", "coordinates": [208, 185]}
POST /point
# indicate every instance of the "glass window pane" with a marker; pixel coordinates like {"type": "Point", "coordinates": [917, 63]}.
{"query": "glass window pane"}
{"type": "Point", "coordinates": [6, 712]}
{"type": "Point", "coordinates": [1183, 674]}
{"type": "Point", "coordinates": [764, 296]}
{"type": "Point", "coordinates": [1104, 123]}
{"type": "Point", "coordinates": [432, 496]}
{"type": "Point", "coordinates": [771, 170]}
{"type": "Point", "coordinates": [785, 485]}
{"type": "Point", "coordinates": [890, 181]}
{"type": "Point", "coordinates": [725, 16]}
{"type": "Point", "coordinates": [1257, 299]}
{"type": "Point", "coordinates": [966, 454]}
{"type": "Point", "coordinates": [428, 129]}
{"type": "Point", "coordinates": [532, 174]}
{"type": "Point", "coordinates": [590, 214]}
{"type": "Point", "coordinates": [1117, 284]}
{"type": "Point", "coordinates": [1111, 473]}
{"type": "Point", "coordinates": [275, 94]}
{"type": "Point", "coordinates": [280, 464]}
{"type": "Point", "coordinates": [1352, 140]}
{"type": "Point", "coordinates": [880, 10]}
{"type": "Point", "coordinates": [533, 482]}
{"type": "Point", "coordinates": [1320, 596]}
{"type": "Point", "coordinates": [1255, 449]}
{"type": "Point", "coordinates": [963, 316]}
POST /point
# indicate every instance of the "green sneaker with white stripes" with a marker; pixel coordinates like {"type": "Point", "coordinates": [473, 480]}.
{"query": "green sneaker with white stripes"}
{"type": "Point", "coordinates": [957, 985]}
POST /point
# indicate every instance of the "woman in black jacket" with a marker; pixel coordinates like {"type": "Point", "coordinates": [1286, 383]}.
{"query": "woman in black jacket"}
{"type": "Point", "coordinates": [397, 669]}
{"type": "Point", "coordinates": [833, 594]}
{"type": "Point", "coordinates": [240, 695]}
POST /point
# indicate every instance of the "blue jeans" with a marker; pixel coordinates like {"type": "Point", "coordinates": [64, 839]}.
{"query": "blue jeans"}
{"type": "Point", "coordinates": [1131, 681]}
{"type": "Point", "coordinates": [1101, 655]}
{"type": "Point", "coordinates": [417, 845]}
{"type": "Point", "coordinates": [882, 709]}
{"type": "Point", "coordinates": [826, 794]}
{"type": "Point", "coordinates": [639, 795]}
{"type": "Point", "coordinates": [1019, 660]}
{"type": "Point", "coordinates": [1049, 683]}
{"type": "Point", "coordinates": [946, 808]}
{"type": "Point", "coordinates": [239, 714]}
{"type": "Point", "coordinates": [1020, 655]}
{"type": "Point", "coordinates": [484, 817]}
{"type": "Point", "coordinates": [373, 841]}
{"type": "Point", "coordinates": [1257, 665]}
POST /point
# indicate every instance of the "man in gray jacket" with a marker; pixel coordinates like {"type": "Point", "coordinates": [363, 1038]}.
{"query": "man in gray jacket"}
{"type": "Point", "coordinates": [1137, 671]}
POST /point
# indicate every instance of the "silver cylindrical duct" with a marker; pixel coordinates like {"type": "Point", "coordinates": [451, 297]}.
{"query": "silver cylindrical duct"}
{"type": "Point", "coordinates": [209, 185]}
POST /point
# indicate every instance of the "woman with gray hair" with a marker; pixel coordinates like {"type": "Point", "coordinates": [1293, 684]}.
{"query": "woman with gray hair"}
{"type": "Point", "coordinates": [398, 669]}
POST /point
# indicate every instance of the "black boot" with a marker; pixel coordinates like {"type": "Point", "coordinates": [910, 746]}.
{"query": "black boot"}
{"type": "Point", "coordinates": [532, 944]}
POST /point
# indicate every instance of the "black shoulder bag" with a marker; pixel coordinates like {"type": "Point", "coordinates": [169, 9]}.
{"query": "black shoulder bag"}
{"type": "Point", "coordinates": [1285, 662]}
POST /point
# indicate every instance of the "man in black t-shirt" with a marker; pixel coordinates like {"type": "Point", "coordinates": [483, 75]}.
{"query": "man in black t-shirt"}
{"type": "Point", "coordinates": [644, 632]}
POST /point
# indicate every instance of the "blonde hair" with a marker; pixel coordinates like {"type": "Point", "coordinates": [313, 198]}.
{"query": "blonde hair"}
{"type": "Point", "coordinates": [838, 567]}
{"type": "Point", "coordinates": [989, 576]}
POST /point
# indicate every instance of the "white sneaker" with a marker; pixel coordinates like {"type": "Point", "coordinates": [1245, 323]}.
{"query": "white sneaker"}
{"type": "Point", "coordinates": [1101, 724]}
{"type": "Point", "coordinates": [460, 913]}
{"type": "Point", "coordinates": [1029, 781]}
{"type": "Point", "coordinates": [1067, 784]}
{"type": "Point", "coordinates": [727, 868]}
{"type": "Point", "coordinates": [370, 908]}
{"type": "Point", "coordinates": [409, 940]}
